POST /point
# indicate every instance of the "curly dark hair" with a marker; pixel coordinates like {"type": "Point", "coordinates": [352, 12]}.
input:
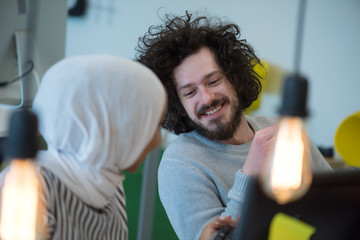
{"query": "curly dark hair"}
{"type": "Point", "coordinates": [164, 47]}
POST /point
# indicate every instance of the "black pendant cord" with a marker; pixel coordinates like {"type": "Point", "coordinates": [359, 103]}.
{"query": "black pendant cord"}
{"type": "Point", "coordinates": [299, 36]}
{"type": "Point", "coordinates": [295, 91]}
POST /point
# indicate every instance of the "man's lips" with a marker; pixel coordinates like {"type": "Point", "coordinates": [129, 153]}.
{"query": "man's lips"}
{"type": "Point", "coordinates": [210, 111]}
{"type": "Point", "coordinates": [213, 110]}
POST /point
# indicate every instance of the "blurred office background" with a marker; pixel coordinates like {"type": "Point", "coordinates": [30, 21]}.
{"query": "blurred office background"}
{"type": "Point", "coordinates": [330, 58]}
{"type": "Point", "coordinates": [330, 55]}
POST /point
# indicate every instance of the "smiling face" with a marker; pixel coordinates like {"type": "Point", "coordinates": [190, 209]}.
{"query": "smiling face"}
{"type": "Point", "coordinates": [207, 96]}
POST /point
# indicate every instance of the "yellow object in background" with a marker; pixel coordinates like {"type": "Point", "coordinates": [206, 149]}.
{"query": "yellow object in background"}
{"type": "Point", "coordinates": [347, 140]}
{"type": "Point", "coordinates": [262, 72]}
{"type": "Point", "coordinates": [285, 227]}
{"type": "Point", "coordinates": [271, 79]}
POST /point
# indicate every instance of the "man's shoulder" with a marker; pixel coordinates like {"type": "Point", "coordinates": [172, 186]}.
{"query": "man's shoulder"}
{"type": "Point", "coordinates": [187, 146]}
{"type": "Point", "coordinates": [182, 152]}
{"type": "Point", "coordinates": [260, 122]}
{"type": "Point", "coordinates": [183, 140]}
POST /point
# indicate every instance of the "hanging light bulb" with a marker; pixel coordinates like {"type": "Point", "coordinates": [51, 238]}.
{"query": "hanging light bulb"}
{"type": "Point", "coordinates": [287, 174]}
{"type": "Point", "coordinates": [20, 192]}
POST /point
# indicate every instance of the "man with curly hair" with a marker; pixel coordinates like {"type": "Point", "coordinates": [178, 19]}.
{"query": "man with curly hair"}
{"type": "Point", "coordinates": [208, 72]}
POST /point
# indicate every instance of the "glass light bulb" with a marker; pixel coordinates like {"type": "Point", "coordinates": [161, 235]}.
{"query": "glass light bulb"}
{"type": "Point", "coordinates": [287, 175]}
{"type": "Point", "coordinates": [20, 201]}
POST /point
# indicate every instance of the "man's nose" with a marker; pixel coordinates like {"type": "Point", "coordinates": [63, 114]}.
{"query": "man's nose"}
{"type": "Point", "coordinates": [206, 96]}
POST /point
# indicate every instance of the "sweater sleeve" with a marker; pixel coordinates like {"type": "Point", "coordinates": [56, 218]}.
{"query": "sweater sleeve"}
{"type": "Point", "coordinates": [188, 196]}
{"type": "Point", "coordinates": [237, 195]}
{"type": "Point", "coordinates": [238, 192]}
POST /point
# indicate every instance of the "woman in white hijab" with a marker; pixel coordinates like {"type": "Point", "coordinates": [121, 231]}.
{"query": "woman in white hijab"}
{"type": "Point", "coordinates": [99, 115]}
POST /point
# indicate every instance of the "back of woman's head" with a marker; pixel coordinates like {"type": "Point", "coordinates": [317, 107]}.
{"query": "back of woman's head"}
{"type": "Point", "coordinates": [100, 109]}
{"type": "Point", "coordinates": [97, 114]}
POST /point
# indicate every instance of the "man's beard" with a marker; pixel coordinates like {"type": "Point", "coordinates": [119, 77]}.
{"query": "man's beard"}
{"type": "Point", "coordinates": [222, 131]}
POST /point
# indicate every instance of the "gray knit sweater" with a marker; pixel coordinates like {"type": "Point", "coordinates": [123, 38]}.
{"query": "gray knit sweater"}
{"type": "Point", "coordinates": [200, 179]}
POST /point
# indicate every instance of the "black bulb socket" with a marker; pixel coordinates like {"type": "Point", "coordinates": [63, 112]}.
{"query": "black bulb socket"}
{"type": "Point", "coordinates": [295, 93]}
{"type": "Point", "coordinates": [22, 141]}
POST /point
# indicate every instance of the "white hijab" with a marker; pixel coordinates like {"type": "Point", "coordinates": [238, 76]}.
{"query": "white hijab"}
{"type": "Point", "coordinates": [97, 113]}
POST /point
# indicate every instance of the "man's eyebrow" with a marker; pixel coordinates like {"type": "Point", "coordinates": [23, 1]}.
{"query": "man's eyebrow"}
{"type": "Point", "coordinates": [184, 86]}
{"type": "Point", "coordinates": [207, 76]}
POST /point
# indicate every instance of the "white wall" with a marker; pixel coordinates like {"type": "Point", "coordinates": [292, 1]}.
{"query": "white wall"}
{"type": "Point", "coordinates": [331, 48]}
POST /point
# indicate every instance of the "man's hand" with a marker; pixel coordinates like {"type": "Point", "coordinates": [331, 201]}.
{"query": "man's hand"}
{"type": "Point", "coordinates": [214, 225]}
{"type": "Point", "coordinates": [261, 148]}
